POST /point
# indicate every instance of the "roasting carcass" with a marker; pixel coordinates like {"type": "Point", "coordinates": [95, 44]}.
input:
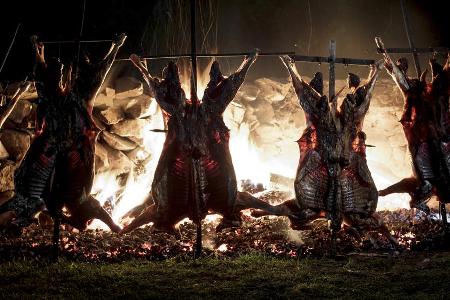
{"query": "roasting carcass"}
{"type": "Point", "coordinates": [426, 125]}
{"type": "Point", "coordinates": [195, 173]}
{"type": "Point", "coordinates": [58, 169]}
{"type": "Point", "coordinates": [332, 176]}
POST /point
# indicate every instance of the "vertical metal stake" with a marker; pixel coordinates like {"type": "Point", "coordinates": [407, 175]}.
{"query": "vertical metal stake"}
{"type": "Point", "coordinates": [332, 78]}
{"type": "Point", "coordinates": [408, 36]}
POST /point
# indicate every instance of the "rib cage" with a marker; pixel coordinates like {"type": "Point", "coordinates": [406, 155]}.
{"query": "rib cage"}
{"type": "Point", "coordinates": [312, 182]}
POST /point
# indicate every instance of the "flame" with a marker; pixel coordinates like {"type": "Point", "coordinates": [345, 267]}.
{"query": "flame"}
{"type": "Point", "coordinates": [246, 161]}
{"type": "Point", "coordinates": [138, 184]}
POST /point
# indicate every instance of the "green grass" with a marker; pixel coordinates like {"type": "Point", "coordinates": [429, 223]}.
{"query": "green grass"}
{"type": "Point", "coordinates": [247, 277]}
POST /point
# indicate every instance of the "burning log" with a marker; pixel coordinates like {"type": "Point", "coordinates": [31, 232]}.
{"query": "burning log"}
{"type": "Point", "coordinates": [30, 94]}
{"type": "Point", "coordinates": [248, 93]}
{"type": "Point", "coordinates": [271, 90]}
{"type": "Point", "coordinates": [139, 155]}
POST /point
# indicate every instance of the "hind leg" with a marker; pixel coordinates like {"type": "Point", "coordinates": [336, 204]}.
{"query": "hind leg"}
{"type": "Point", "coordinates": [161, 222]}
{"type": "Point", "coordinates": [245, 200]}
{"type": "Point", "coordinates": [74, 189]}
{"type": "Point", "coordinates": [362, 223]}
{"type": "Point", "coordinates": [411, 186]}
{"type": "Point", "coordinates": [88, 210]}
{"type": "Point", "coordinates": [147, 216]}
{"type": "Point", "coordinates": [299, 218]}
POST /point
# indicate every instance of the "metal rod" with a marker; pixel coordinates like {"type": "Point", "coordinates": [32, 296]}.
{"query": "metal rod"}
{"type": "Point", "coordinates": [193, 53]}
{"type": "Point", "coordinates": [408, 35]}
{"type": "Point", "coordinates": [332, 76]}
{"type": "Point", "coordinates": [417, 50]}
{"type": "Point", "coordinates": [78, 43]}
{"type": "Point", "coordinates": [74, 41]}
{"type": "Point", "coordinates": [202, 55]}
{"type": "Point", "coordinates": [337, 60]}
{"type": "Point", "coordinates": [10, 47]}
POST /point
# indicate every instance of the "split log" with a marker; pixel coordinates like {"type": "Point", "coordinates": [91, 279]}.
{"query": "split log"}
{"type": "Point", "coordinates": [129, 128]}
{"type": "Point", "coordinates": [127, 87]}
{"type": "Point", "coordinates": [101, 158]}
{"type": "Point", "coordinates": [119, 163]}
{"type": "Point", "coordinates": [117, 142]}
{"type": "Point", "coordinates": [21, 111]}
{"type": "Point", "coordinates": [7, 169]}
{"type": "Point", "coordinates": [110, 115]}
{"type": "Point", "coordinates": [105, 97]}
{"type": "Point", "coordinates": [140, 107]}
{"type": "Point", "coordinates": [16, 143]}
{"type": "Point", "coordinates": [3, 153]}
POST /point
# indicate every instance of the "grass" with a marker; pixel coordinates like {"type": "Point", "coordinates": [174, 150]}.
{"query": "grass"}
{"type": "Point", "coordinates": [251, 276]}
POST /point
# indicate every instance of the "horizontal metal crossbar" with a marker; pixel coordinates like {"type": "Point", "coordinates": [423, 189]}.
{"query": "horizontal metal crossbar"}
{"type": "Point", "coordinates": [73, 42]}
{"type": "Point", "coordinates": [168, 56]}
{"type": "Point", "coordinates": [337, 60]}
{"type": "Point", "coordinates": [415, 50]}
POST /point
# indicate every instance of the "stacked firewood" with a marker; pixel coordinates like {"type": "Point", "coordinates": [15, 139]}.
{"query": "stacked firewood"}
{"type": "Point", "coordinates": [123, 114]}
{"type": "Point", "coordinates": [15, 136]}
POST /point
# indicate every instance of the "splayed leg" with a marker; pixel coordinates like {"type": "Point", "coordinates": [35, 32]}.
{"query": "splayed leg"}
{"type": "Point", "coordinates": [246, 201]}
{"type": "Point", "coordinates": [103, 216]}
{"type": "Point", "coordinates": [149, 215]}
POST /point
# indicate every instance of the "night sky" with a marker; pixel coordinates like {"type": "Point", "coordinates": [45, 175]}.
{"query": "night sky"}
{"type": "Point", "coordinates": [154, 28]}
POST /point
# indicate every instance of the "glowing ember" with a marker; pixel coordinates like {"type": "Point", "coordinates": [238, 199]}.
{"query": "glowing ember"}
{"type": "Point", "coordinates": [222, 248]}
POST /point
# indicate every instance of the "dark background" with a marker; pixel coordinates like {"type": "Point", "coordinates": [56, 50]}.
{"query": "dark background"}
{"type": "Point", "coordinates": [161, 27]}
